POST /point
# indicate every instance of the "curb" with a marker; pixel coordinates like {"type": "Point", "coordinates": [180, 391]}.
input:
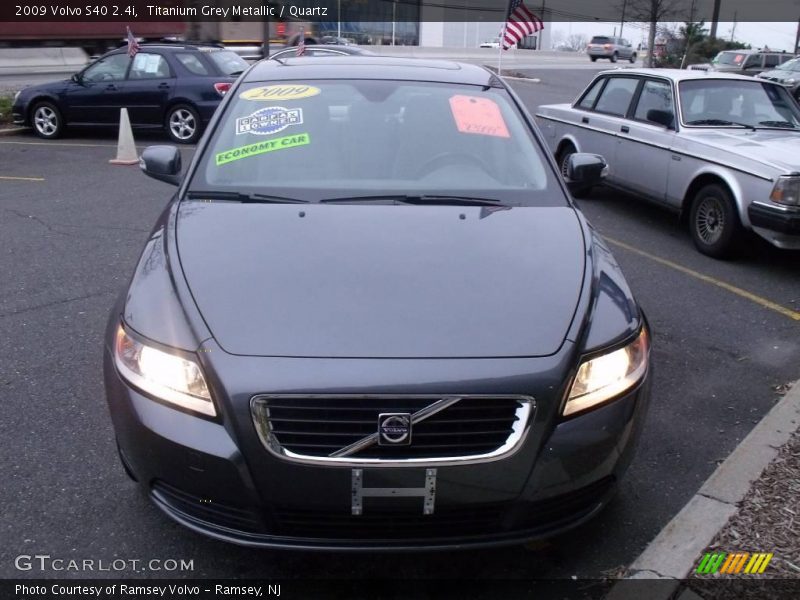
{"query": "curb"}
{"type": "Point", "coordinates": [675, 550]}
{"type": "Point", "coordinates": [12, 131]}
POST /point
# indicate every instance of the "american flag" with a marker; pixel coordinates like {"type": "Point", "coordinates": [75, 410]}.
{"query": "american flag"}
{"type": "Point", "coordinates": [301, 43]}
{"type": "Point", "coordinates": [133, 45]}
{"type": "Point", "coordinates": [521, 22]}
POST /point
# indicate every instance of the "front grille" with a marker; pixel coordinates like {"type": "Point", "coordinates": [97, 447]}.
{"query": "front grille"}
{"type": "Point", "coordinates": [316, 427]}
{"type": "Point", "coordinates": [221, 515]}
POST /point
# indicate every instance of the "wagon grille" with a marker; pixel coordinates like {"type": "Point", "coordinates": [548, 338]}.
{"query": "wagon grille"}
{"type": "Point", "coordinates": [315, 429]}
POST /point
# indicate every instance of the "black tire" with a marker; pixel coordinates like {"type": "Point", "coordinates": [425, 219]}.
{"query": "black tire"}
{"type": "Point", "coordinates": [561, 159]}
{"type": "Point", "coordinates": [594, 58]}
{"type": "Point", "coordinates": [47, 121]}
{"type": "Point", "coordinates": [633, 57]}
{"type": "Point", "coordinates": [614, 57]}
{"type": "Point", "coordinates": [183, 124]}
{"type": "Point", "coordinates": [714, 221]}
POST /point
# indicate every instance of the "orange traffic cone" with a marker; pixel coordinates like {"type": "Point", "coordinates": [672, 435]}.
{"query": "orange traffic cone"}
{"type": "Point", "coordinates": [126, 149]}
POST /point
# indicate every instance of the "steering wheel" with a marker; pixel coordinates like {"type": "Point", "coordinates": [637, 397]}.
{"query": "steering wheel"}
{"type": "Point", "coordinates": [445, 159]}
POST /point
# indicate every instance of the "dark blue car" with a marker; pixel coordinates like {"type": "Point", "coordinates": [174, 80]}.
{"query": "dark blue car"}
{"type": "Point", "coordinates": [170, 86]}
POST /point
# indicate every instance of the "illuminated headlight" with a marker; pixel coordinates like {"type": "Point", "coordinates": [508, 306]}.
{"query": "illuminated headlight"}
{"type": "Point", "coordinates": [166, 376]}
{"type": "Point", "coordinates": [604, 377]}
{"type": "Point", "coordinates": [787, 190]}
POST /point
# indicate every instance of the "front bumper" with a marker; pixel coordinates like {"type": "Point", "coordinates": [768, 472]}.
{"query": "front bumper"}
{"type": "Point", "coordinates": [778, 225]}
{"type": "Point", "coordinates": [208, 476]}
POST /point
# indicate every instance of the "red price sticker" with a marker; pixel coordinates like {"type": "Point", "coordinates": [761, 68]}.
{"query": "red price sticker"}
{"type": "Point", "coordinates": [476, 115]}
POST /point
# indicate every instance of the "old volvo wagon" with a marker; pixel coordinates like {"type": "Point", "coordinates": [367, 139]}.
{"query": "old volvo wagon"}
{"type": "Point", "coordinates": [371, 317]}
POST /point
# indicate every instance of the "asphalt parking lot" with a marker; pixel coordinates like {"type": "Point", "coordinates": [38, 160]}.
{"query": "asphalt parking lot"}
{"type": "Point", "coordinates": [725, 344]}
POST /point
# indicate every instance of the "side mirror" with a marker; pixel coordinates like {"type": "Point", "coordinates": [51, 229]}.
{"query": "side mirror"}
{"type": "Point", "coordinates": [77, 78]}
{"type": "Point", "coordinates": [662, 117]}
{"type": "Point", "coordinates": [162, 163]}
{"type": "Point", "coordinates": [585, 170]}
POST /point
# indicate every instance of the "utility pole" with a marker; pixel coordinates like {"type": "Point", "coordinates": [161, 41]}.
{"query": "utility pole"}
{"type": "Point", "coordinates": [622, 20]}
{"type": "Point", "coordinates": [715, 18]}
{"type": "Point", "coordinates": [733, 29]}
{"type": "Point", "coordinates": [797, 38]}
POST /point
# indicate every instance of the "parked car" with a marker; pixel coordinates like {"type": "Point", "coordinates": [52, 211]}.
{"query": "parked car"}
{"type": "Point", "coordinates": [416, 342]}
{"type": "Point", "coordinates": [748, 62]}
{"type": "Point", "coordinates": [787, 74]}
{"type": "Point", "coordinates": [322, 50]}
{"type": "Point", "coordinates": [332, 40]}
{"type": "Point", "coordinates": [719, 149]}
{"type": "Point", "coordinates": [612, 48]}
{"type": "Point", "coordinates": [171, 87]}
{"type": "Point", "coordinates": [492, 43]}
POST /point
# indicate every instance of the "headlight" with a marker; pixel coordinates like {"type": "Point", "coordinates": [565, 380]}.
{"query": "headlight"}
{"type": "Point", "coordinates": [166, 376]}
{"type": "Point", "coordinates": [606, 376]}
{"type": "Point", "coordinates": [786, 190]}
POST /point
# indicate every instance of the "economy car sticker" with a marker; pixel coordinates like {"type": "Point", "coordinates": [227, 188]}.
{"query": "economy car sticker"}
{"type": "Point", "coordinates": [280, 92]}
{"type": "Point", "coordinates": [288, 141]}
{"type": "Point", "coordinates": [480, 116]}
{"type": "Point", "coordinates": [267, 121]}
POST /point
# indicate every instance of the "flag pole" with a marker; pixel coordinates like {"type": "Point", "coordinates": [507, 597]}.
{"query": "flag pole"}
{"type": "Point", "coordinates": [503, 41]}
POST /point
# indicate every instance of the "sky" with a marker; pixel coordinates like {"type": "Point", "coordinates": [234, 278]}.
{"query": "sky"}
{"type": "Point", "coordinates": [776, 35]}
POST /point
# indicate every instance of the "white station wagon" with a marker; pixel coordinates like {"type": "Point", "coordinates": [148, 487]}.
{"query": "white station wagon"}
{"type": "Point", "coordinates": [721, 150]}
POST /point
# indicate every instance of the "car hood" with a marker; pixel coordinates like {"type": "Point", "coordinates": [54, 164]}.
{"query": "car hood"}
{"type": "Point", "coordinates": [382, 280]}
{"type": "Point", "coordinates": [768, 146]}
{"type": "Point", "coordinates": [52, 87]}
{"type": "Point", "coordinates": [779, 75]}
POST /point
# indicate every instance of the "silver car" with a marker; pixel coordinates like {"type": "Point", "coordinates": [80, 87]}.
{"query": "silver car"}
{"type": "Point", "coordinates": [612, 48]}
{"type": "Point", "coordinates": [719, 149]}
{"type": "Point", "coordinates": [787, 74]}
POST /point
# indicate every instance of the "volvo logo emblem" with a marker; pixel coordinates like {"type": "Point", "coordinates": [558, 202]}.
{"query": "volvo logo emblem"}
{"type": "Point", "coordinates": [394, 429]}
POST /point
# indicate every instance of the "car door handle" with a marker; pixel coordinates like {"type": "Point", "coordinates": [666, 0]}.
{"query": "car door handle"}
{"type": "Point", "coordinates": [163, 86]}
{"type": "Point", "coordinates": [585, 120]}
{"type": "Point", "coordinates": [111, 87]}
{"type": "Point", "coordinates": [625, 129]}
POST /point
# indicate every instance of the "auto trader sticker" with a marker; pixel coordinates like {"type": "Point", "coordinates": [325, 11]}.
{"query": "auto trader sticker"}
{"type": "Point", "coordinates": [478, 115]}
{"type": "Point", "coordinates": [288, 141]}
{"type": "Point", "coordinates": [267, 121]}
{"type": "Point", "coordinates": [280, 92]}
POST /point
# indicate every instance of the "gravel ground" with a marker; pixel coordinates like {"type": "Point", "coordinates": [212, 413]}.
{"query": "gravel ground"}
{"type": "Point", "coordinates": [768, 520]}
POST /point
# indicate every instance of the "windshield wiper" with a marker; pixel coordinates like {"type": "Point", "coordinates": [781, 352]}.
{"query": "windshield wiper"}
{"type": "Point", "coordinates": [446, 199]}
{"type": "Point", "coordinates": [720, 122]}
{"type": "Point", "coordinates": [242, 197]}
{"type": "Point", "coordinates": [778, 124]}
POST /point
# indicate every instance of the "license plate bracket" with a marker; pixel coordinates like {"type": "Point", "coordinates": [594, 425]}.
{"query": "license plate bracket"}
{"type": "Point", "coordinates": [359, 492]}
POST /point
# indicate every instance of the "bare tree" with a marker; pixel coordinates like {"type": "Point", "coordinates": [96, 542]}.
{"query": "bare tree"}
{"type": "Point", "coordinates": [653, 12]}
{"type": "Point", "coordinates": [577, 42]}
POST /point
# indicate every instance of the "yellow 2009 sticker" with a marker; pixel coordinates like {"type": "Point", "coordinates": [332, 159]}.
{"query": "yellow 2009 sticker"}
{"type": "Point", "coordinates": [288, 141]}
{"type": "Point", "coordinates": [280, 92]}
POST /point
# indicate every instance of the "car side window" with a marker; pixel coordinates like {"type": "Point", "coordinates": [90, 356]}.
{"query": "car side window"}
{"type": "Point", "coordinates": [149, 66]}
{"type": "Point", "coordinates": [192, 63]}
{"type": "Point", "coordinates": [617, 95]}
{"type": "Point", "coordinates": [590, 96]}
{"type": "Point", "coordinates": [656, 95]}
{"type": "Point", "coordinates": [771, 60]}
{"type": "Point", "coordinates": [753, 61]}
{"type": "Point", "coordinates": [112, 68]}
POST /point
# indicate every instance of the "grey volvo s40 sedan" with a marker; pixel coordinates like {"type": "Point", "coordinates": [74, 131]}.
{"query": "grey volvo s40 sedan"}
{"type": "Point", "coordinates": [372, 317]}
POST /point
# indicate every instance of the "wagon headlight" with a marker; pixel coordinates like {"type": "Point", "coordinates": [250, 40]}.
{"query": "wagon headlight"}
{"type": "Point", "coordinates": [606, 376]}
{"type": "Point", "coordinates": [166, 376]}
{"type": "Point", "coordinates": [787, 190]}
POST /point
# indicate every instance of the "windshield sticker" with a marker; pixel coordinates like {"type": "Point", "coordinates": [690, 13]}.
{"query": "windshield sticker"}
{"type": "Point", "coordinates": [280, 92]}
{"type": "Point", "coordinates": [267, 121]}
{"type": "Point", "coordinates": [481, 116]}
{"type": "Point", "coordinates": [289, 141]}
{"type": "Point", "coordinates": [738, 58]}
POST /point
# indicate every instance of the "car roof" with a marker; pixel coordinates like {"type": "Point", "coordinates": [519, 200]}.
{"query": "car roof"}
{"type": "Point", "coordinates": [368, 67]}
{"type": "Point", "coordinates": [335, 47]}
{"type": "Point", "coordinates": [678, 74]}
{"type": "Point", "coordinates": [175, 47]}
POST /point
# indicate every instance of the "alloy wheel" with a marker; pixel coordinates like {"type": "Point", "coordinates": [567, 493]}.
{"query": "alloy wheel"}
{"type": "Point", "coordinates": [182, 124]}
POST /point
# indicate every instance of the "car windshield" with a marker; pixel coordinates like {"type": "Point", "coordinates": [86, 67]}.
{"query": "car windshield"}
{"type": "Point", "coordinates": [790, 65]}
{"type": "Point", "coordinates": [729, 58]}
{"type": "Point", "coordinates": [737, 103]}
{"type": "Point", "coordinates": [319, 140]}
{"type": "Point", "coordinates": [229, 62]}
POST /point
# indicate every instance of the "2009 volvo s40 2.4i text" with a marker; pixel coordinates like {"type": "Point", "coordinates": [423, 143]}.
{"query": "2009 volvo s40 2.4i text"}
{"type": "Point", "coordinates": [372, 318]}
